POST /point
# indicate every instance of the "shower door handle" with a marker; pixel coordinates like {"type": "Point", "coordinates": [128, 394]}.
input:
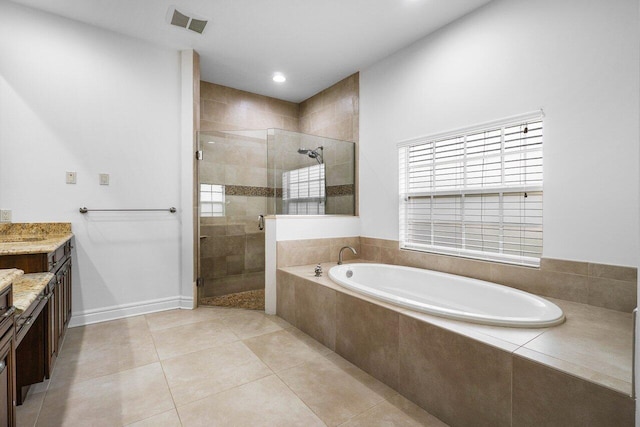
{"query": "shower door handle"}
{"type": "Point", "coordinates": [260, 222]}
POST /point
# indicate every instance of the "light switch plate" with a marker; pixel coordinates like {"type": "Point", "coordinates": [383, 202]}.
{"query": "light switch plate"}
{"type": "Point", "coordinates": [104, 179]}
{"type": "Point", "coordinates": [5, 215]}
{"type": "Point", "coordinates": [71, 177]}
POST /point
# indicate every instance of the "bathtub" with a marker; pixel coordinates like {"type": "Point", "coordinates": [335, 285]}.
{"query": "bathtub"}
{"type": "Point", "coordinates": [447, 295]}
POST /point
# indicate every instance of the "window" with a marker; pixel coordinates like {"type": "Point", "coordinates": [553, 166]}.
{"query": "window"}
{"type": "Point", "coordinates": [211, 200]}
{"type": "Point", "coordinates": [303, 191]}
{"type": "Point", "coordinates": [476, 192]}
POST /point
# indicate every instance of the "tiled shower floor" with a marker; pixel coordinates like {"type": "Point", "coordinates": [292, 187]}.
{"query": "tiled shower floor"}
{"type": "Point", "coordinates": [251, 300]}
{"type": "Point", "coordinates": [209, 367]}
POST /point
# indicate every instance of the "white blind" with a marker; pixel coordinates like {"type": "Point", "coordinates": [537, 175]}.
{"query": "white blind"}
{"type": "Point", "coordinates": [211, 200]}
{"type": "Point", "coordinates": [303, 191]}
{"type": "Point", "coordinates": [476, 193]}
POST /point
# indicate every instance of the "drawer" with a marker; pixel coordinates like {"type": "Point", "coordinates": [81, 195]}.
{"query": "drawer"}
{"type": "Point", "coordinates": [58, 257]}
{"type": "Point", "coordinates": [24, 321]}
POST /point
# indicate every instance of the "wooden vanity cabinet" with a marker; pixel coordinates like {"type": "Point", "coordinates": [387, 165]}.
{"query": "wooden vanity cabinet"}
{"type": "Point", "coordinates": [41, 328]}
{"type": "Point", "coordinates": [7, 359]}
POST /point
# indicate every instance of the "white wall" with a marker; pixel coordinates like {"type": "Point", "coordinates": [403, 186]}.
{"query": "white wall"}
{"type": "Point", "coordinates": [577, 60]}
{"type": "Point", "coordinates": [77, 98]}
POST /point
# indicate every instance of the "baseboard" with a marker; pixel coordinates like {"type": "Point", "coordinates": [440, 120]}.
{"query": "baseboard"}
{"type": "Point", "coordinates": [128, 310]}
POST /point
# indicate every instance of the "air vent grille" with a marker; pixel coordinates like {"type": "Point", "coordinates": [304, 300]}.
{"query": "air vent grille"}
{"type": "Point", "coordinates": [180, 20]}
{"type": "Point", "coordinates": [197, 25]}
{"type": "Point", "coordinates": [186, 20]}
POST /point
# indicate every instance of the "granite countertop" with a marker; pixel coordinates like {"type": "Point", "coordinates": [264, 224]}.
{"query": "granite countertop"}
{"type": "Point", "coordinates": [8, 276]}
{"type": "Point", "coordinates": [33, 238]}
{"type": "Point", "coordinates": [27, 288]}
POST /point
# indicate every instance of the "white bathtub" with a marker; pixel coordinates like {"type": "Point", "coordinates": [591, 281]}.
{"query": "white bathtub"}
{"type": "Point", "coordinates": [447, 295]}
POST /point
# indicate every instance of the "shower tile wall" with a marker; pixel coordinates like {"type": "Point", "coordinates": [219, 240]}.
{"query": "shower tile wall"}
{"type": "Point", "coordinates": [232, 246]}
{"type": "Point", "coordinates": [224, 108]}
{"type": "Point", "coordinates": [232, 256]}
{"type": "Point", "coordinates": [334, 113]}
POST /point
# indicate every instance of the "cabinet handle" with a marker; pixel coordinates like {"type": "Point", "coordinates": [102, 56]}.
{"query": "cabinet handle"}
{"type": "Point", "coordinates": [29, 320]}
{"type": "Point", "coordinates": [3, 365]}
{"type": "Point", "coordinates": [9, 312]}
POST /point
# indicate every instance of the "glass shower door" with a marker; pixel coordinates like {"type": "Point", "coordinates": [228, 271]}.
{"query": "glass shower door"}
{"type": "Point", "coordinates": [233, 193]}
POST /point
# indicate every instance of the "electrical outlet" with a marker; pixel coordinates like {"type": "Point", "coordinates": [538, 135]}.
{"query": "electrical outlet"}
{"type": "Point", "coordinates": [104, 179]}
{"type": "Point", "coordinates": [5, 215]}
{"type": "Point", "coordinates": [71, 177]}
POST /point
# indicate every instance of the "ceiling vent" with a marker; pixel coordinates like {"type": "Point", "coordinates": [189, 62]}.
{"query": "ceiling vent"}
{"type": "Point", "coordinates": [186, 20]}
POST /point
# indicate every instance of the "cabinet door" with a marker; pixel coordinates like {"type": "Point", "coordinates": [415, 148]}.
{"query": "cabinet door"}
{"type": "Point", "coordinates": [59, 306]}
{"type": "Point", "coordinates": [7, 381]}
{"type": "Point", "coordinates": [52, 327]}
{"type": "Point", "coordinates": [67, 293]}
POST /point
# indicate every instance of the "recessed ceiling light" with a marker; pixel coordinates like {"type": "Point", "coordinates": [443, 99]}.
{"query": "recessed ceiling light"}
{"type": "Point", "coordinates": [279, 78]}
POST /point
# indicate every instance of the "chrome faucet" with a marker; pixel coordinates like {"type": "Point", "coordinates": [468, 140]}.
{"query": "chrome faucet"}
{"type": "Point", "coordinates": [340, 253]}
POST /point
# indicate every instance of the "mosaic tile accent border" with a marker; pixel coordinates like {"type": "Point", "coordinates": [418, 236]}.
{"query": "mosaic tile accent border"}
{"type": "Point", "coordinates": [341, 190]}
{"type": "Point", "coordinates": [245, 190]}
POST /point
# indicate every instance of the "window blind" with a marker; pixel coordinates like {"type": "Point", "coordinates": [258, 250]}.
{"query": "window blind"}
{"type": "Point", "coordinates": [303, 191]}
{"type": "Point", "coordinates": [475, 193]}
{"type": "Point", "coordinates": [212, 200]}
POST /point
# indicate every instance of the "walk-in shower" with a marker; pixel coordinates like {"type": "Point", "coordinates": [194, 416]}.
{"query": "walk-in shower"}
{"type": "Point", "coordinates": [244, 174]}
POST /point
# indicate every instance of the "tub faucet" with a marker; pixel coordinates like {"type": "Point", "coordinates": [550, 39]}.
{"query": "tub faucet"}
{"type": "Point", "coordinates": [340, 253]}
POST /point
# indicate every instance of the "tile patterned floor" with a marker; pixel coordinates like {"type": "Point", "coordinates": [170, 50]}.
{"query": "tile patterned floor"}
{"type": "Point", "coordinates": [209, 367]}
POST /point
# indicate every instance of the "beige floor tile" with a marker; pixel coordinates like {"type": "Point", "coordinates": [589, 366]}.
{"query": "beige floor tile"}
{"type": "Point", "coordinates": [396, 411]}
{"type": "Point", "coordinates": [197, 375]}
{"type": "Point", "coordinates": [112, 331]}
{"type": "Point", "coordinates": [249, 323]}
{"type": "Point", "coordinates": [335, 389]}
{"type": "Point", "coordinates": [27, 413]}
{"type": "Point", "coordinates": [266, 402]}
{"type": "Point", "coordinates": [286, 348]}
{"type": "Point", "coordinates": [166, 419]}
{"type": "Point", "coordinates": [111, 400]}
{"type": "Point", "coordinates": [173, 318]}
{"type": "Point", "coordinates": [85, 356]}
{"type": "Point", "coordinates": [185, 339]}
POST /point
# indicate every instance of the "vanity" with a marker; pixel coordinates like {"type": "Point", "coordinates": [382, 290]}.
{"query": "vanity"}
{"type": "Point", "coordinates": [39, 297]}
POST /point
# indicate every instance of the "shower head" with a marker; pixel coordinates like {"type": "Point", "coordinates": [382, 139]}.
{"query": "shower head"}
{"type": "Point", "coordinates": [312, 153]}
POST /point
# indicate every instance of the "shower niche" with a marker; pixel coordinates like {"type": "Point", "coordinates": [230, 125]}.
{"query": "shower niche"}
{"type": "Point", "coordinates": [247, 173]}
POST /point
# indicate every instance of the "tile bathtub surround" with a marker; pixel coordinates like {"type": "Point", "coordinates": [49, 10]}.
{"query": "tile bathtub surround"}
{"type": "Point", "coordinates": [259, 371]}
{"type": "Point", "coordinates": [544, 396]}
{"type": "Point", "coordinates": [462, 381]}
{"type": "Point", "coordinates": [437, 362]}
{"type": "Point", "coordinates": [302, 252]}
{"type": "Point", "coordinates": [608, 286]}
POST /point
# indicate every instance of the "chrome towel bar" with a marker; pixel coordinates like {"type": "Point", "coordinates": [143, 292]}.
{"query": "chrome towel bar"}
{"type": "Point", "coordinates": [84, 210]}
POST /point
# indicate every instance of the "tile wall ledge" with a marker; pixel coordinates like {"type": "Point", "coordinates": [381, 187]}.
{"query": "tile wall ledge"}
{"type": "Point", "coordinates": [594, 344]}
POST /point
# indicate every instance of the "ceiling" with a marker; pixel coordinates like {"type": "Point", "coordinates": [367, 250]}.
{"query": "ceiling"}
{"type": "Point", "coordinates": [314, 43]}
